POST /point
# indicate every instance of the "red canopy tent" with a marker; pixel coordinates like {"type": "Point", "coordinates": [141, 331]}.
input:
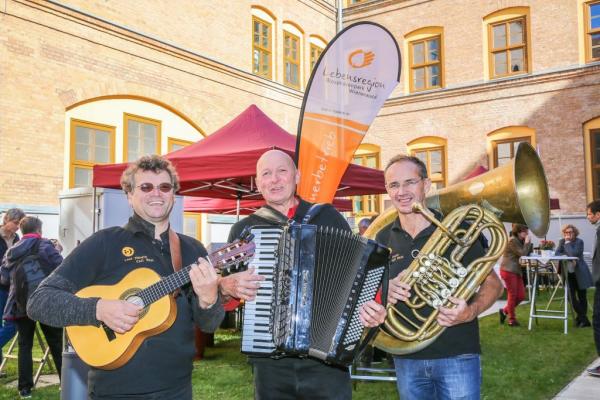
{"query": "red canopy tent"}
{"type": "Point", "coordinates": [229, 206]}
{"type": "Point", "coordinates": [224, 164]}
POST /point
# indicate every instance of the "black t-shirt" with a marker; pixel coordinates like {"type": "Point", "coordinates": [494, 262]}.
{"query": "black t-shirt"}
{"type": "Point", "coordinates": [456, 340]}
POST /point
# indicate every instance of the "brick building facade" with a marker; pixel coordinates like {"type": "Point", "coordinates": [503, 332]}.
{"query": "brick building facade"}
{"type": "Point", "coordinates": [477, 77]}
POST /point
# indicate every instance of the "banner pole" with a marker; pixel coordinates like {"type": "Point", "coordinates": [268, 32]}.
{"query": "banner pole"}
{"type": "Point", "coordinates": [339, 21]}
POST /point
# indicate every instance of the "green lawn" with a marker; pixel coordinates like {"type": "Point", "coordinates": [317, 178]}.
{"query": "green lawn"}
{"type": "Point", "coordinates": [517, 364]}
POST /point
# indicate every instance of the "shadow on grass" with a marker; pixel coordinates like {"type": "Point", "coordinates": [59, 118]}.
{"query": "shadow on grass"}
{"type": "Point", "coordinates": [517, 364]}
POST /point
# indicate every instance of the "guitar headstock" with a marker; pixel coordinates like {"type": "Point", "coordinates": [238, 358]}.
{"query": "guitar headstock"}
{"type": "Point", "coordinates": [233, 253]}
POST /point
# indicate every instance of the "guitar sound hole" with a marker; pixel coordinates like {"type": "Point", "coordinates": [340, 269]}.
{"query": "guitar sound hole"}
{"type": "Point", "coordinates": [132, 297]}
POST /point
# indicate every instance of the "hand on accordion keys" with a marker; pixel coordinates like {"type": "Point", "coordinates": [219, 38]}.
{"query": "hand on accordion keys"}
{"type": "Point", "coordinates": [372, 314]}
{"type": "Point", "coordinates": [241, 285]}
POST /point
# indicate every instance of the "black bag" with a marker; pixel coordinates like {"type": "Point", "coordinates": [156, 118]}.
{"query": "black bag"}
{"type": "Point", "coordinates": [29, 271]}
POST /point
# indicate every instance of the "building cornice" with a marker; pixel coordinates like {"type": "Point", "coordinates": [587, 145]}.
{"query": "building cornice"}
{"type": "Point", "coordinates": [322, 6]}
{"type": "Point", "coordinates": [148, 41]}
{"type": "Point", "coordinates": [495, 86]}
{"type": "Point", "coordinates": [361, 11]}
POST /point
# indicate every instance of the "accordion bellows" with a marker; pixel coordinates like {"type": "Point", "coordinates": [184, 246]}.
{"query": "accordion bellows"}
{"type": "Point", "coordinates": [316, 280]}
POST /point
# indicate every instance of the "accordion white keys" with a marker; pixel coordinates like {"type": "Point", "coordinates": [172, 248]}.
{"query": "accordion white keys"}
{"type": "Point", "coordinates": [316, 279]}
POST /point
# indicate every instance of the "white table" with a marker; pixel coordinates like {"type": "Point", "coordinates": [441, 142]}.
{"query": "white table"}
{"type": "Point", "coordinates": [533, 264]}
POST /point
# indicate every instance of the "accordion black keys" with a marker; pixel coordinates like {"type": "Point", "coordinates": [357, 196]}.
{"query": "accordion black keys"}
{"type": "Point", "coordinates": [316, 279]}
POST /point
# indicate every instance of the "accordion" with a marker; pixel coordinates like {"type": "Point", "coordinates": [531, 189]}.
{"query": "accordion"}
{"type": "Point", "coordinates": [316, 278]}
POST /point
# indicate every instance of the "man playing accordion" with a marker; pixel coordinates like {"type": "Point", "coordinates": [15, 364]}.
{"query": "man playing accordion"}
{"type": "Point", "coordinates": [291, 377]}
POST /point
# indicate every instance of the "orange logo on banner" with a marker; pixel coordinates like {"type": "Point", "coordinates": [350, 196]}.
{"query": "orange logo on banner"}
{"type": "Point", "coordinates": [356, 61]}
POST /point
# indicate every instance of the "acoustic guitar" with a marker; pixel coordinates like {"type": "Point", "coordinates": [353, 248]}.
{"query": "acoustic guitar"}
{"type": "Point", "coordinates": [101, 347]}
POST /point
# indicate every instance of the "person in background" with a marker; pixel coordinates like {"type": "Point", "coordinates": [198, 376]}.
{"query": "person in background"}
{"type": "Point", "coordinates": [363, 225]}
{"type": "Point", "coordinates": [31, 244]}
{"type": "Point", "coordinates": [8, 232]}
{"type": "Point", "coordinates": [593, 215]}
{"type": "Point", "coordinates": [57, 245]}
{"type": "Point", "coordinates": [511, 272]}
{"type": "Point", "coordinates": [578, 274]}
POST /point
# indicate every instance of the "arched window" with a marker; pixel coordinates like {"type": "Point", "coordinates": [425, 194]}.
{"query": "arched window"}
{"type": "Point", "coordinates": [367, 155]}
{"type": "Point", "coordinates": [503, 143]}
{"type": "Point", "coordinates": [591, 132]}
{"type": "Point", "coordinates": [317, 45]}
{"type": "Point", "coordinates": [508, 42]}
{"type": "Point", "coordinates": [591, 29]}
{"type": "Point", "coordinates": [424, 47]}
{"type": "Point", "coordinates": [432, 150]}
{"type": "Point", "coordinates": [263, 22]}
{"type": "Point", "coordinates": [292, 55]}
{"type": "Point", "coordinates": [91, 143]}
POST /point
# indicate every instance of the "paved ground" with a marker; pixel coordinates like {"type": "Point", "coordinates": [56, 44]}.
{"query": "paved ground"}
{"type": "Point", "coordinates": [45, 380]}
{"type": "Point", "coordinates": [584, 387]}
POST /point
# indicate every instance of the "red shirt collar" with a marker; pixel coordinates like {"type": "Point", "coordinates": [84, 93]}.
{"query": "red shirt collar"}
{"type": "Point", "coordinates": [292, 211]}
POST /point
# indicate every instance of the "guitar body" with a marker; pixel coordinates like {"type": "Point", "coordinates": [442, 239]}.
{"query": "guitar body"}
{"type": "Point", "coordinates": [94, 344]}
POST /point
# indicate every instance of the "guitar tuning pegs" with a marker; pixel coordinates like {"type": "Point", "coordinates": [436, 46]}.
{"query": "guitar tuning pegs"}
{"type": "Point", "coordinates": [246, 236]}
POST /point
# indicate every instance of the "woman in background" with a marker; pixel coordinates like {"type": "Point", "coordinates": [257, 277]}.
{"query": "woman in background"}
{"type": "Point", "coordinates": [578, 273]}
{"type": "Point", "coordinates": [511, 272]}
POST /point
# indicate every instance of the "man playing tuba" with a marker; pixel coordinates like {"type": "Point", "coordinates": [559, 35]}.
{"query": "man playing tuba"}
{"type": "Point", "coordinates": [449, 368]}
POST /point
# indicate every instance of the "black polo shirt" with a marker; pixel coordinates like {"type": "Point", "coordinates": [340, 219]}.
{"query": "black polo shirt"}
{"type": "Point", "coordinates": [163, 362]}
{"type": "Point", "coordinates": [456, 340]}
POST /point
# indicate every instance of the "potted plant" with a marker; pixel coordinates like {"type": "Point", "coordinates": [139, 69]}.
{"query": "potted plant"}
{"type": "Point", "coordinates": [547, 248]}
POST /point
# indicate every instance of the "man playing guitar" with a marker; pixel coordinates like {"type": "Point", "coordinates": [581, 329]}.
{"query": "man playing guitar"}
{"type": "Point", "coordinates": [162, 365]}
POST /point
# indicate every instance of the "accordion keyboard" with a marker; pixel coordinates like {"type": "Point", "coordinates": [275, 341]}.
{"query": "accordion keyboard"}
{"type": "Point", "coordinates": [256, 336]}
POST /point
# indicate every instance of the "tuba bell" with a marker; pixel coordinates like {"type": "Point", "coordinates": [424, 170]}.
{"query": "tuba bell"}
{"type": "Point", "coordinates": [514, 192]}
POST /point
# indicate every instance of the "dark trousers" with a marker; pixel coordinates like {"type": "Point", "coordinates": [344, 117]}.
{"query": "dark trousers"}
{"type": "Point", "coordinates": [596, 318]}
{"type": "Point", "coordinates": [26, 330]}
{"type": "Point", "coordinates": [578, 298]}
{"type": "Point", "coordinates": [300, 379]}
{"type": "Point", "coordinates": [178, 393]}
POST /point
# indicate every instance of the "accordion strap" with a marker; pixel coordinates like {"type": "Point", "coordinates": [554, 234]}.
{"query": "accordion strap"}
{"type": "Point", "coordinates": [271, 215]}
{"type": "Point", "coordinates": [313, 211]}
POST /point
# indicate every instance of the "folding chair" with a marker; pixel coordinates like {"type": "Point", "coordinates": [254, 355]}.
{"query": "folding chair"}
{"type": "Point", "coordinates": [45, 359]}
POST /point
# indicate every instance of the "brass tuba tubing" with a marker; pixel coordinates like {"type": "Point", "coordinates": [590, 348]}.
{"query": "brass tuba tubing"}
{"type": "Point", "coordinates": [514, 192]}
{"type": "Point", "coordinates": [406, 335]}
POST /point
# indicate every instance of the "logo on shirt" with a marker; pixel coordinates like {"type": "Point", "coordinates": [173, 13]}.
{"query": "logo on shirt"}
{"type": "Point", "coordinates": [127, 251]}
{"type": "Point", "coordinates": [396, 257]}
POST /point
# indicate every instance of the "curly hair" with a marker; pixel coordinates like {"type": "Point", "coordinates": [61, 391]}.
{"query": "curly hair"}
{"type": "Point", "coordinates": [573, 228]}
{"type": "Point", "coordinates": [154, 163]}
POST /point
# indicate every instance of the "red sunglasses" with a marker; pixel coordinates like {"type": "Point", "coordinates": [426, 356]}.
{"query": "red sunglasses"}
{"type": "Point", "coordinates": [164, 187]}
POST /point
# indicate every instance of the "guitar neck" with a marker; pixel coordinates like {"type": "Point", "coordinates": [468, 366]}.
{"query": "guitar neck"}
{"type": "Point", "coordinates": [168, 284]}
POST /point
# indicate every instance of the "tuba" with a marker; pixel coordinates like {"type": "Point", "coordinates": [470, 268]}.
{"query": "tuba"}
{"type": "Point", "coordinates": [515, 192]}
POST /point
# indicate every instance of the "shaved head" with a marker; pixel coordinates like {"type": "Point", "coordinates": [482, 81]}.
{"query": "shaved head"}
{"type": "Point", "coordinates": [276, 179]}
{"type": "Point", "coordinates": [274, 156]}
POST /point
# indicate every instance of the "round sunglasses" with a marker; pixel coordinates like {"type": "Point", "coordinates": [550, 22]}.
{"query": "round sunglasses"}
{"type": "Point", "coordinates": [164, 187]}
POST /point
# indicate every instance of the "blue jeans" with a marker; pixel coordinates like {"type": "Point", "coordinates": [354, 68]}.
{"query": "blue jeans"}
{"type": "Point", "coordinates": [7, 327]}
{"type": "Point", "coordinates": [445, 378]}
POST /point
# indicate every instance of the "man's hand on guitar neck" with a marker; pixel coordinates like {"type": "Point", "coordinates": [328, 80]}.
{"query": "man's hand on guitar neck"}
{"type": "Point", "coordinates": [118, 315]}
{"type": "Point", "coordinates": [205, 283]}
